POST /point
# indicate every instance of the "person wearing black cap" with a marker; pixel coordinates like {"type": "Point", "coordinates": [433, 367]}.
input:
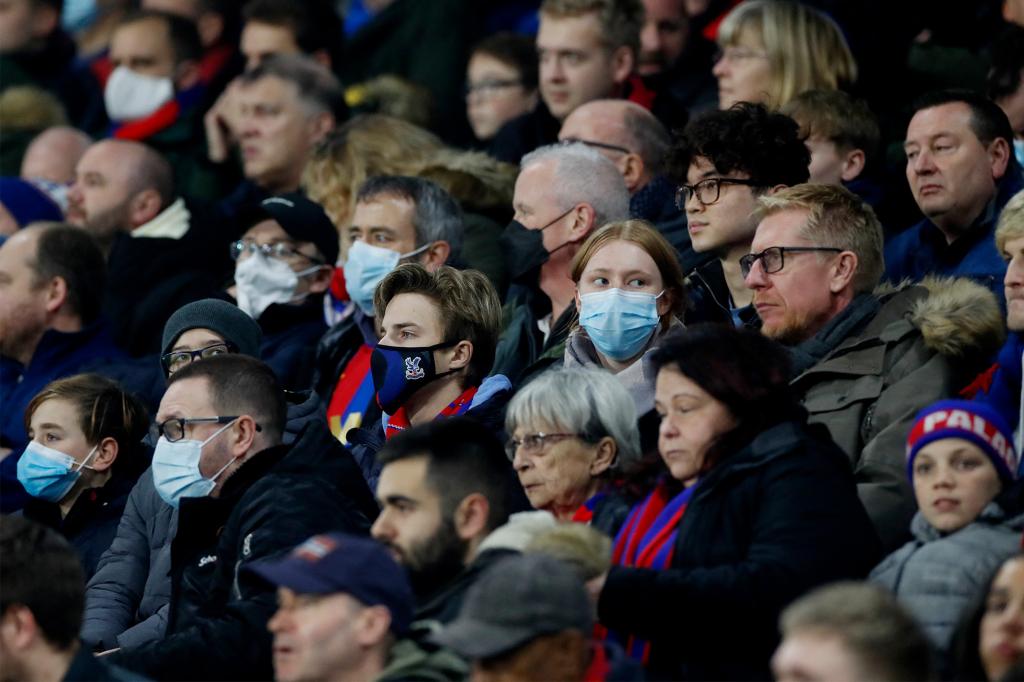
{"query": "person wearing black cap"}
{"type": "Point", "coordinates": [345, 612]}
{"type": "Point", "coordinates": [283, 266]}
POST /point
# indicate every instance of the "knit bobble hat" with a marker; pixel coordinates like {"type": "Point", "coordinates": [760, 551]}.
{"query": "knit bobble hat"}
{"type": "Point", "coordinates": [972, 421]}
{"type": "Point", "coordinates": [218, 316]}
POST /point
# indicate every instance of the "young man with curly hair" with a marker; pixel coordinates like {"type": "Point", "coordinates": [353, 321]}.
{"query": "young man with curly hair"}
{"type": "Point", "coordinates": [724, 161]}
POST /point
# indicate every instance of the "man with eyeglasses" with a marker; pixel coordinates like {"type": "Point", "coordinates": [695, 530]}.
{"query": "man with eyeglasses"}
{"type": "Point", "coordinates": [241, 496]}
{"type": "Point", "coordinates": [637, 143]}
{"type": "Point", "coordinates": [731, 158]}
{"type": "Point", "coordinates": [283, 268]}
{"type": "Point", "coordinates": [863, 362]}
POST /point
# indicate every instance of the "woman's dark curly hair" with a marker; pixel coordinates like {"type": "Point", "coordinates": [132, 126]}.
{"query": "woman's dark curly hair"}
{"type": "Point", "coordinates": [747, 138]}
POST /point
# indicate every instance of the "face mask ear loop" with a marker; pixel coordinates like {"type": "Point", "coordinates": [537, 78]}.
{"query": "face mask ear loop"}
{"type": "Point", "coordinates": [217, 433]}
{"type": "Point", "coordinates": [87, 458]}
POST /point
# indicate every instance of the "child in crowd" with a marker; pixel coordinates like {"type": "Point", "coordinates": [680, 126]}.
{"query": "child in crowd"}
{"type": "Point", "coordinates": [841, 133]}
{"type": "Point", "coordinates": [961, 461]}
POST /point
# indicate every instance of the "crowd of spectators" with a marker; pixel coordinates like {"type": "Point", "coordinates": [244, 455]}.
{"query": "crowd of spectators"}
{"type": "Point", "coordinates": [583, 340]}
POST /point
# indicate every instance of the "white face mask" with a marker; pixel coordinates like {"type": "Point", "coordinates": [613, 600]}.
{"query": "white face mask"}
{"type": "Point", "coordinates": [130, 96]}
{"type": "Point", "coordinates": [263, 281]}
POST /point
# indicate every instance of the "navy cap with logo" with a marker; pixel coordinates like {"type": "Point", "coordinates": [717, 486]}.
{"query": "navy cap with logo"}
{"type": "Point", "coordinates": [304, 221]}
{"type": "Point", "coordinates": [336, 562]}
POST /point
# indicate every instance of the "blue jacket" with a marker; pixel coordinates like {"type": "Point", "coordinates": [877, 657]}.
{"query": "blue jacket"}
{"type": "Point", "coordinates": [1000, 386]}
{"type": "Point", "coordinates": [290, 336]}
{"type": "Point", "coordinates": [922, 250]}
{"type": "Point", "coordinates": [58, 355]}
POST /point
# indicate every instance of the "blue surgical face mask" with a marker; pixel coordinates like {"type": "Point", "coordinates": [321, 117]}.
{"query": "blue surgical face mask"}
{"type": "Point", "coordinates": [619, 323]}
{"type": "Point", "coordinates": [366, 266]}
{"type": "Point", "coordinates": [1018, 150]}
{"type": "Point", "coordinates": [176, 469]}
{"type": "Point", "coordinates": [49, 474]}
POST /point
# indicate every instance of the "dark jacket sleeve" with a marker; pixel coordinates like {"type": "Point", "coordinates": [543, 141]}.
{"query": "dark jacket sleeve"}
{"type": "Point", "coordinates": [806, 530]}
{"type": "Point", "coordinates": [115, 592]}
{"type": "Point", "coordinates": [233, 643]}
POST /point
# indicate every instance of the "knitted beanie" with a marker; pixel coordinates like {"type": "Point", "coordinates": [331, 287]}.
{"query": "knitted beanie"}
{"type": "Point", "coordinates": [218, 316]}
{"type": "Point", "coordinates": [972, 421]}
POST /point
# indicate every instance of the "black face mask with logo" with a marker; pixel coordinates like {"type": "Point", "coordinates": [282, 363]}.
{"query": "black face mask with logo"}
{"type": "Point", "coordinates": [398, 372]}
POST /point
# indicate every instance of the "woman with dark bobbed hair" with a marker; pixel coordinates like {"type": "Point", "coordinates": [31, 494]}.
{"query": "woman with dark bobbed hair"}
{"type": "Point", "coordinates": [757, 507]}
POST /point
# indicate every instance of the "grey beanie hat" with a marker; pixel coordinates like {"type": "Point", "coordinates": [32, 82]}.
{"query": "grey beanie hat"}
{"type": "Point", "coordinates": [218, 316]}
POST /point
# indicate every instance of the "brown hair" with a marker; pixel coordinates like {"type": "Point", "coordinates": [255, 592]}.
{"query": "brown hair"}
{"type": "Point", "coordinates": [837, 117]}
{"type": "Point", "coordinates": [620, 20]}
{"type": "Point", "coordinates": [647, 237]}
{"type": "Point", "coordinates": [104, 410]}
{"type": "Point", "coordinates": [469, 305]}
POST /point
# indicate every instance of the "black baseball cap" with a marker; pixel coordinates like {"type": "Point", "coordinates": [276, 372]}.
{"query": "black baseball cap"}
{"type": "Point", "coordinates": [304, 221]}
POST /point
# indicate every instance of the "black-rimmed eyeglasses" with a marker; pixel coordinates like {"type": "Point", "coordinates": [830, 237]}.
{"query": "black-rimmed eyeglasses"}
{"type": "Point", "coordinates": [773, 258]}
{"type": "Point", "coordinates": [707, 191]}
{"type": "Point", "coordinates": [174, 429]}
{"type": "Point", "coordinates": [175, 360]}
{"type": "Point", "coordinates": [595, 144]}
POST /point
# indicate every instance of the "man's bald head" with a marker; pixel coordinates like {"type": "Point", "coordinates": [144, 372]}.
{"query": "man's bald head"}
{"type": "Point", "coordinates": [119, 186]}
{"type": "Point", "coordinates": [630, 132]}
{"type": "Point", "coordinates": [53, 154]}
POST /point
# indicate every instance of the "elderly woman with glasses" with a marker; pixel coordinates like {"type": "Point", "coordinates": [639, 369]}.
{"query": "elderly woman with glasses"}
{"type": "Point", "coordinates": [570, 430]}
{"type": "Point", "coordinates": [754, 509]}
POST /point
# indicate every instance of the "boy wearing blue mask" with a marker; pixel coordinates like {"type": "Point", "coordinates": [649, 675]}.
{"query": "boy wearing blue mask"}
{"type": "Point", "coordinates": [438, 334]}
{"type": "Point", "coordinates": [397, 219]}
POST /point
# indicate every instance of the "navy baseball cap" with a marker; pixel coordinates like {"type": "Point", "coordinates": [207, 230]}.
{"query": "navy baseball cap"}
{"type": "Point", "coordinates": [336, 562]}
{"type": "Point", "coordinates": [303, 219]}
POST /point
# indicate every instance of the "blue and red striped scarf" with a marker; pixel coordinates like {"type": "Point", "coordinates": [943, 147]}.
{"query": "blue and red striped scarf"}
{"type": "Point", "coordinates": [399, 421]}
{"type": "Point", "coordinates": [648, 540]}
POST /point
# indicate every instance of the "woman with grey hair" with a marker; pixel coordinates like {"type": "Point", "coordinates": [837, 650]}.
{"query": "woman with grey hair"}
{"type": "Point", "coordinates": [570, 429]}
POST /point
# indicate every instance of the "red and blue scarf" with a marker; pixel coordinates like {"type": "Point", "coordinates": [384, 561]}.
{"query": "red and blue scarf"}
{"type": "Point", "coordinates": [399, 421]}
{"type": "Point", "coordinates": [648, 540]}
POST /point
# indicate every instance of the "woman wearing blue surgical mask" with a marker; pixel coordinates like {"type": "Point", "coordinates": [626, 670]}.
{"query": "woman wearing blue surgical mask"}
{"type": "Point", "coordinates": [84, 456]}
{"type": "Point", "coordinates": [629, 294]}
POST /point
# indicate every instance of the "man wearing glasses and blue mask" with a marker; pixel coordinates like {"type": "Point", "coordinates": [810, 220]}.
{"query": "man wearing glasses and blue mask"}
{"type": "Point", "coordinates": [283, 267]}
{"type": "Point", "coordinates": [241, 496]}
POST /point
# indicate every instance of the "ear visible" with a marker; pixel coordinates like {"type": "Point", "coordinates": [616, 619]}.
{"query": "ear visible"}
{"type": "Point", "coordinates": [632, 169]}
{"type": "Point", "coordinates": [374, 624]}
{"type": "Point", "coordinates": [320, 280]}
{"type": "Point", "coordinates": [584, 221]}
{"type": "Point", "coordinates": [623, 60]}
{"type": "Point", "coordinates": [777, 188]}
{"type": "Point", "coordinates": [56, 294]}
{"type": "Point", "coordinates": [436, 256]}
{"type": "Point", "coordinates": [462, 353]}
{"type": "Point", "coordinates": [187, 75]}
{"type": "Point", "coordinates": [320, 125]}
{"type": "Point", "coordinates": [105, 455]}
{"type": "Point", "coordinates": [843, 270]}
{"type": "Point", "coordinates": [210, 26]}
{"type": "Point", "coordinates": [576, 297]}
{"type": "Point", "coordinates": [471, 516]}
{"type": "Point", "coordinates": [242, 436]}
{"type": "Point", "coordinates": [18, 629]}
{"type": "Point", "coordinates": [44, 19]}
{"type": "Point", "coordinates": [605, 456]}
{"type": "Point", "coordinates": [853, 164]}
{"type": "Point", "coordinates": [665, 302]}
{"type": "Point", "coordinates": [323, 58]}
{"type": "Point", "coordinates": [999, 157]}
{"type": "Point", "coordinates": [144, 206]}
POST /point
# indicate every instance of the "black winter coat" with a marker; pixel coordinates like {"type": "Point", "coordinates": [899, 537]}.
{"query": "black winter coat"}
{"type": "Point", "coordinates": [217, 628]}
{"type": "Point", "coordinates": [766, 525]}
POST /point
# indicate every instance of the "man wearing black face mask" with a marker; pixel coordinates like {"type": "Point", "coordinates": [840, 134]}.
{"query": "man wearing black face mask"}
{"type": "Point", "coordinates": [563, 193]}
{"type": "Point", "coordinates": [438, 334]}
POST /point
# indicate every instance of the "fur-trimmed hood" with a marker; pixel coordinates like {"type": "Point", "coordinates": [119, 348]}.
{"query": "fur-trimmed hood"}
{"type": "Point", "coordinates": [475, 179]}
{"type": "Point", "coordinates": [958, 317]}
